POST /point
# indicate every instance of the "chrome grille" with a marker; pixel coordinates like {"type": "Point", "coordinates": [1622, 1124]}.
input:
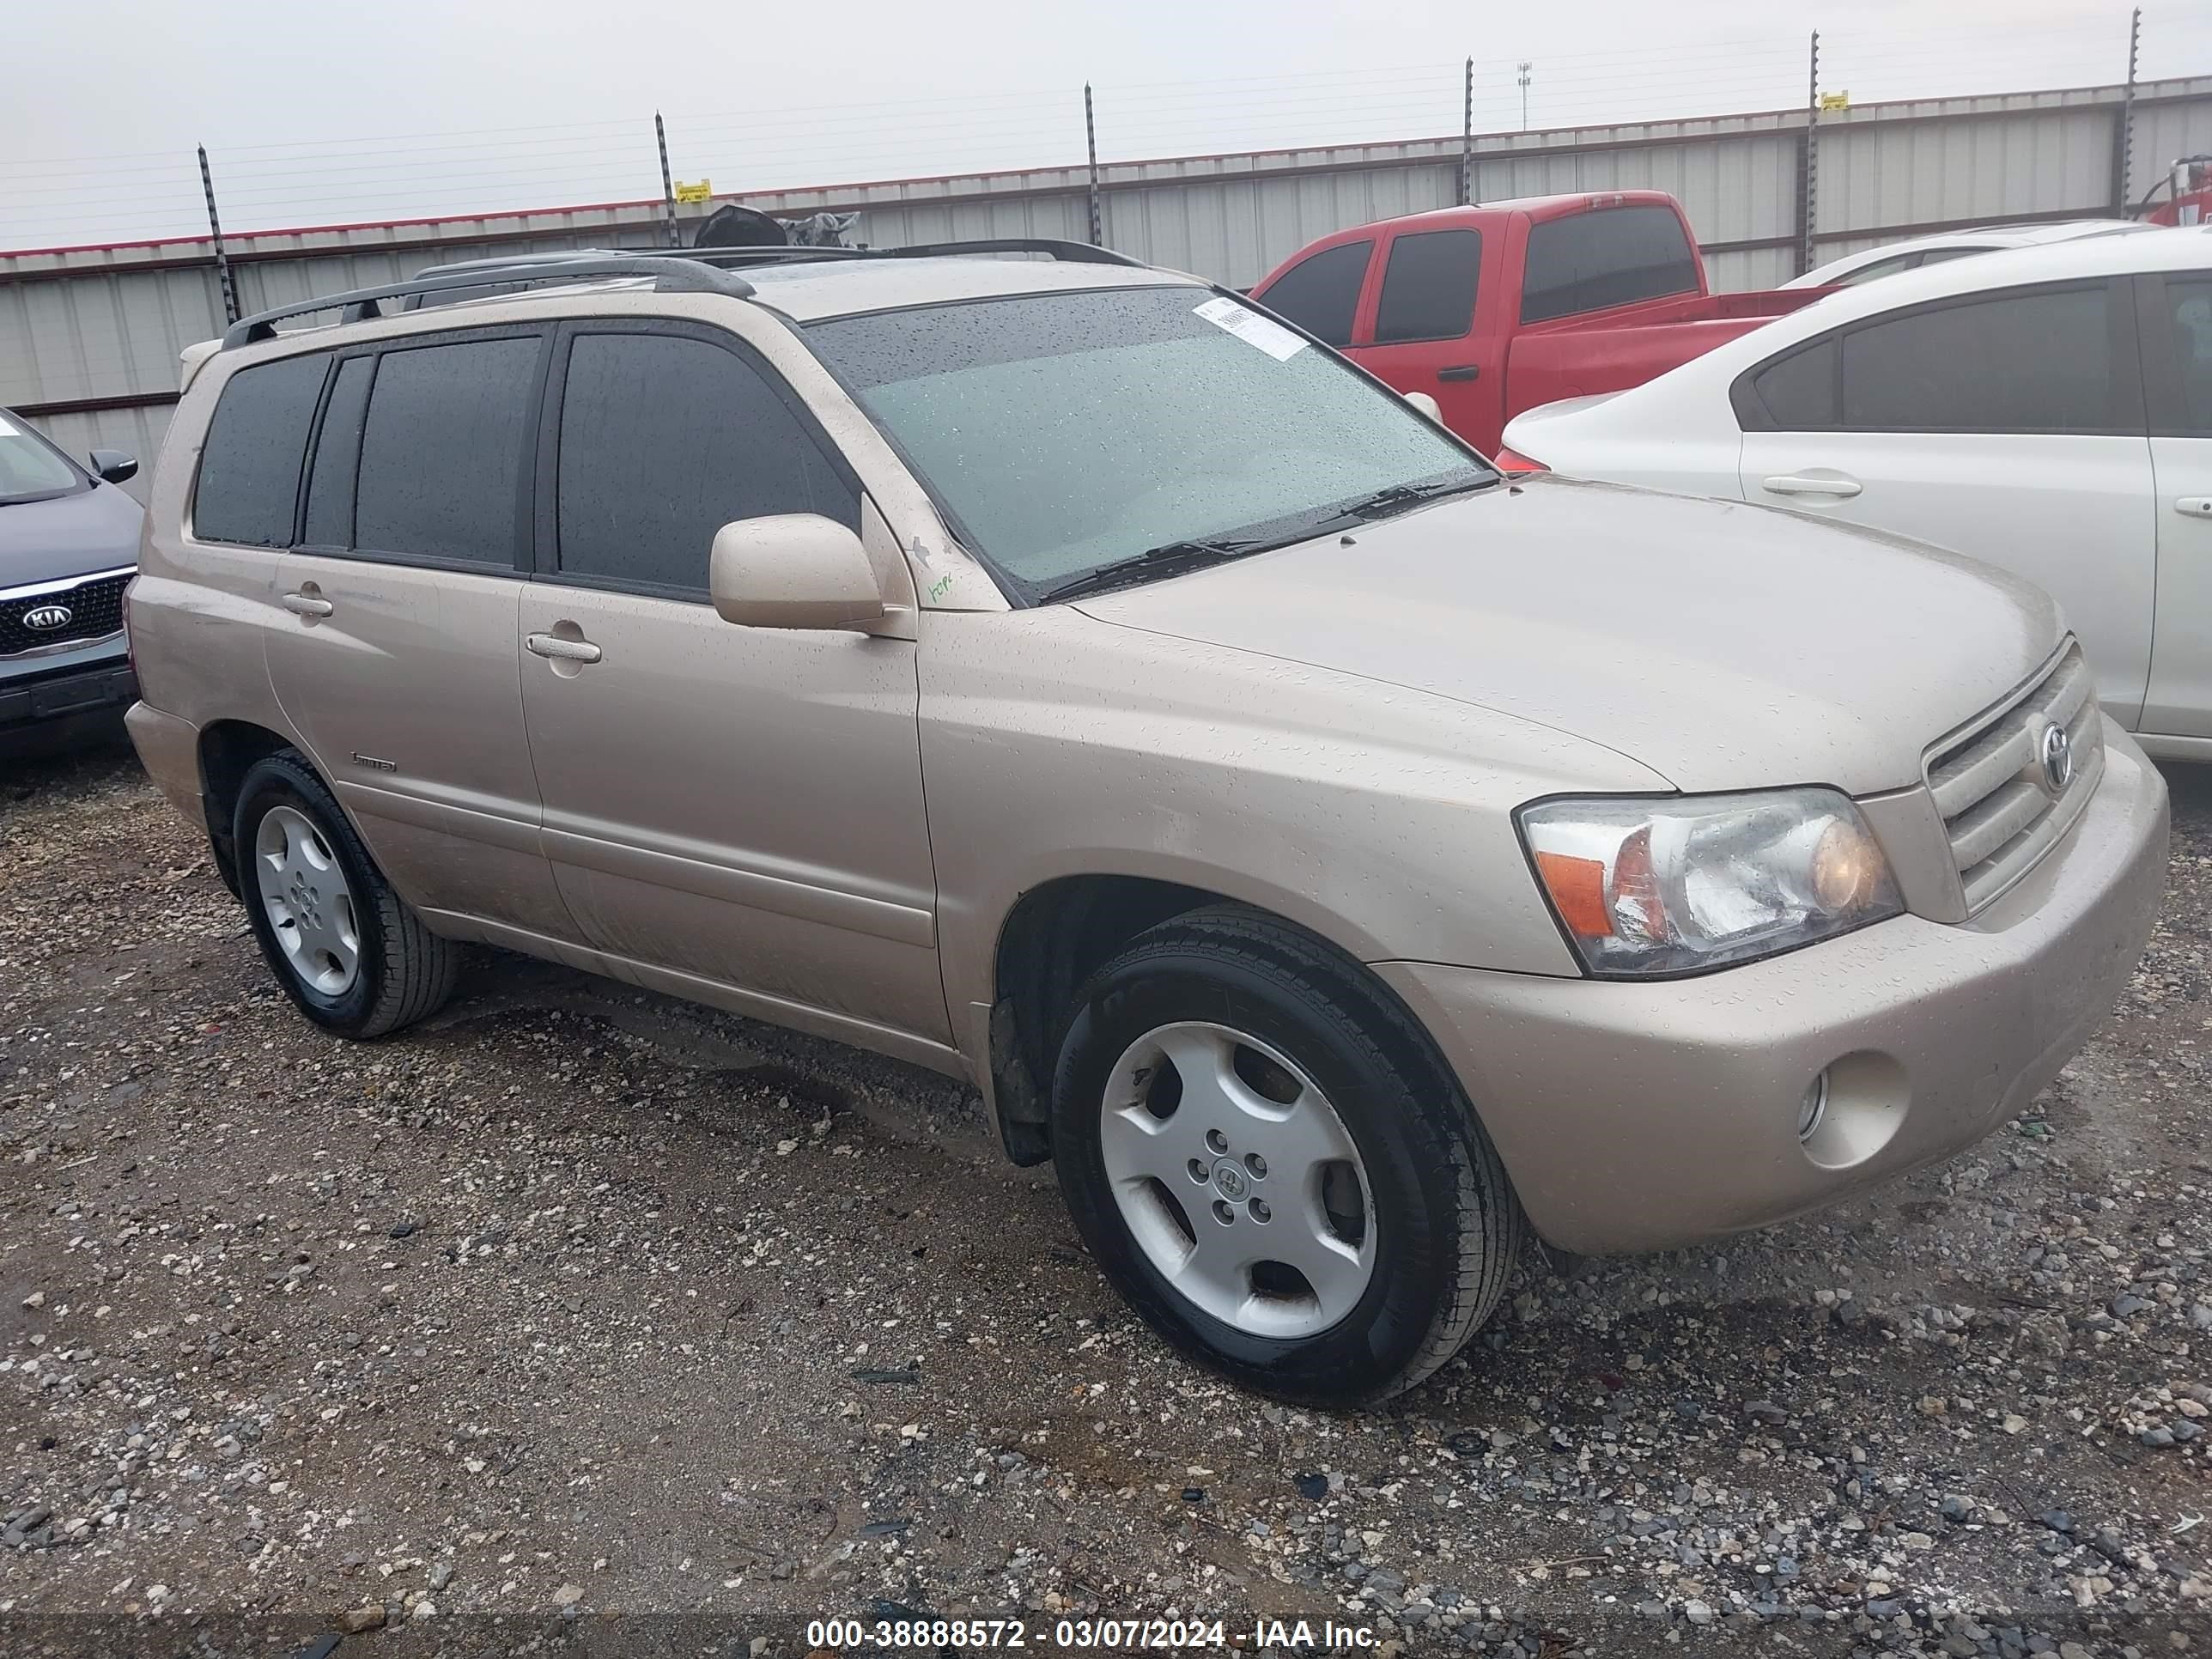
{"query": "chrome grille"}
{"type": "Point", "coordinates": [1992, 785]}
{"type": "Point", "coordinates": [95, 606]}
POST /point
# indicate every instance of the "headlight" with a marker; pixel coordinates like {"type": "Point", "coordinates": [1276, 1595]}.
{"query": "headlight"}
{"type": "Point", "coordinates": [1653, 887]}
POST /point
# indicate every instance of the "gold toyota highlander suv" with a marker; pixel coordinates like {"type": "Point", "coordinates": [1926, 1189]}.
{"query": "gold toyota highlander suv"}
{"type": "Point", "coordinates": [1062, 674]}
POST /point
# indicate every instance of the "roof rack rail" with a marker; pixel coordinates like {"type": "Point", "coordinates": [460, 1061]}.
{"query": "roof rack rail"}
{"type": "Point", "coordinates": [1080, 253]}
{"type": "Point", "coordinates": [724, 258]}
{"type": "Point", "coordinates": [359, 304]}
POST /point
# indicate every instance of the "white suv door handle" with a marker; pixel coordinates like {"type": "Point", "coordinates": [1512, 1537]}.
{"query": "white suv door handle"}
{"type": "Point", "coordinates": [2196, 507]}
{"type": "Point", "coordinates": [306, 604]}
{"type": "Point", "coordinates": [563, 650]}
{"type": "Point", "coordinates": [1789, 483]}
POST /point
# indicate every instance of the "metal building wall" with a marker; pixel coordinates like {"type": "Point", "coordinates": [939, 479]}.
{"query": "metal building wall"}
{"type": "Point", "coordinates": [89, 338]}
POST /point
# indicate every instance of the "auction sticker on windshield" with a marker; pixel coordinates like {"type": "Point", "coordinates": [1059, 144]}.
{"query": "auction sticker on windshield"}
{"type": "Point", "coordinates": [1252, 328]}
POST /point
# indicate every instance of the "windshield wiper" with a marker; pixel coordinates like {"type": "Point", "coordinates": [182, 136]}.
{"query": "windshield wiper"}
{"type": "Point", "coordinates": [1398, 497]}
{"type": "Point", "coordinates": [1168, 559]}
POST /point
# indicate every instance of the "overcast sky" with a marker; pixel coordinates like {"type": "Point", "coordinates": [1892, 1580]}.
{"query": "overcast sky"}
{"type": "Point", "coordinates": [408, 107]}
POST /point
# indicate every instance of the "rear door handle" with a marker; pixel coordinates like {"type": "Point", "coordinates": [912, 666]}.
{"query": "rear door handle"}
{"type": "Point", "coordinates": [1789, 483]}
{"type": "Point", "coordinates": [1461, 371]}
{"type": "Point", "coordinates": [2196, 507]}
{"type": "Point", "coordinates": [563, 650]}
{"type": "Point", "coordinates": [307, 604]}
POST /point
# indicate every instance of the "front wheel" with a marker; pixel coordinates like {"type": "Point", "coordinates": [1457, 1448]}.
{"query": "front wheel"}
{"type": "Point", "coordinates": [1269, 1163]}
{"type": "Point", "coordinates": [347, 950]}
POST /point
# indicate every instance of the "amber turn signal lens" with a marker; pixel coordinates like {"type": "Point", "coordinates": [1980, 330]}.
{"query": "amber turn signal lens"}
{"type": "Point", "coordinates": [1577, 890]}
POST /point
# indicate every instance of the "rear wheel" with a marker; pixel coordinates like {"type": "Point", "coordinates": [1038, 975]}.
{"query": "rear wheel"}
{"type": "Point", "coordinates": [1267, 1160]}
{"type": "Point", "coordinates": [347, 950]}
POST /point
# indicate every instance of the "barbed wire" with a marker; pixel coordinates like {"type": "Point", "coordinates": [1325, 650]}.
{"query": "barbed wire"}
{"type": "Point", "coordinates": [150, 194]}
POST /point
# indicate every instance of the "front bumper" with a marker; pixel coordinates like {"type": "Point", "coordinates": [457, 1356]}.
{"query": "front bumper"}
{"type": "Point", "coordinates": [1644, 1117]}
{"type": "Point", "coordinates": [78, 684]}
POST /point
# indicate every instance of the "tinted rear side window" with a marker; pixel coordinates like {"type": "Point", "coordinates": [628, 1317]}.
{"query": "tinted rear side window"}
{"type": "Point", "coordinates": [442, 452]}
{"type": "Point", "coordinates": [337, 452]}
{"type": "Point", "coordinates": [2016, 362]}
{"type": "Point", "coordinates": [1589, 261]}
{"type": "Point", "coordinates": [1428, 287]}
{"type": "Point", "coordinates": [1321, 294]}
{"type": "Point", "coordinates": [1796, 394]}
{"type": "Point", "coordinates": [2190, 300]}
{"type": "Point", "coordinates": [664, 439]}
{"type": "Point", "coordinates": [249, 482]}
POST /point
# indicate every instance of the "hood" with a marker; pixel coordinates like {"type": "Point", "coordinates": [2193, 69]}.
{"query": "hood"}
{"type": "Point", "coordinates": [1725, 647]}
{"type": "Point", "coordinates": [66, 536]}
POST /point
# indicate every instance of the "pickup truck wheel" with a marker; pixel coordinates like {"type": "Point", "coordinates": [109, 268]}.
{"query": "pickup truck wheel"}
{"type": "Point", "coordinates": [1267, 1160]}
{"type": "Point", "coordinates": [347, 950]}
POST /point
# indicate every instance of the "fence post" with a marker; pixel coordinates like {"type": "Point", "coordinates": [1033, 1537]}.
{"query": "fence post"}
{"type": "Point", "coordinates": [667, 181]}
{"type": "Point", "coordinates": [1466, 140]}
{"type": "Point", "coordinates": [1090, 141]}
{"type": "Point", "coordinates": [1809, 170]}
{"type": "Point", "coordinates": [2124, 141]}
{"type": "Point", "coordinates": [230, 311]}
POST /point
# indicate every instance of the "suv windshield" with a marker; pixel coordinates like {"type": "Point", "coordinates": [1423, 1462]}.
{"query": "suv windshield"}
{"type": "Point", "coordinates": [1068, 434]}
{"type": "Point", "coordinates": [29, 470]}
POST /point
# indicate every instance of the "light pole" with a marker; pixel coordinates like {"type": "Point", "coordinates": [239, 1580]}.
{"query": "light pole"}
{"type": "Point", "coordinates": [1524, 94]}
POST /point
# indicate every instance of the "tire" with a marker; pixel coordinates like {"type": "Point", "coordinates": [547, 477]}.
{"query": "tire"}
{"type": "Point", "coordinates": [398, 970]}
{"type": "Point", "coordinates": [1440, 1228]}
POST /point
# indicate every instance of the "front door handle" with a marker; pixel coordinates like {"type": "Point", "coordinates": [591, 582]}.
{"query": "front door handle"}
{"type": "Point", "coordinates": [307, 604]}
{"type": "Point", "coordinates": [1461, 371]}
{"type": "Point", "coordinates": [1789, 483]}
{"type": "Point", "coordinates": [2196, 507]}
{"type": "Point", "coordinates": [561, 649]}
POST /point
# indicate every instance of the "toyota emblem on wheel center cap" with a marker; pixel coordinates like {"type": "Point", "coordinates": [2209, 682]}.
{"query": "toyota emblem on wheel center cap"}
{"type": "Point", "coordinates": [47, 617]}
{"type": "Point", "coordinates": [1230, 1178]}
{"type": "Point", "coordinates": [2058, 757]}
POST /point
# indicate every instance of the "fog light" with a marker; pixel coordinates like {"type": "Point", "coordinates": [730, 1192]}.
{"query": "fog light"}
{"type": "Point", "coordinates": [1812, 1109]}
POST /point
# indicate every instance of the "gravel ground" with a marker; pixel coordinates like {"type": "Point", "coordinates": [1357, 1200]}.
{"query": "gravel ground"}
{"type": "Point", "coordinates": [581, 1316]}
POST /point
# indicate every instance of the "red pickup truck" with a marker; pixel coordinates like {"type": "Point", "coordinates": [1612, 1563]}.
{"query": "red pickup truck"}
{"type": "Point", "coordinates": [1494, 309]}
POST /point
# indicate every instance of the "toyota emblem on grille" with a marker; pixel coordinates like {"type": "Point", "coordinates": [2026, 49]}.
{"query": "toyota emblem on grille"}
{"type": "Point", "coordinates": [47, 617]}
{"type": "Point", "coordinates": [2058, 757]}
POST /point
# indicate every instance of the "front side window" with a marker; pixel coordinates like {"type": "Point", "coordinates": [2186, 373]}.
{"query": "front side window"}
{"type": "Point", "coordinates": [665, 438]}
{"type": "Point", "coordinates": [1611, 257]}
{"type": "Point", "coordinates": [30, 468]}
{"type": "Point", "coordinates": [2011, 363]}
{"type": "Point", "coordinates": [442, 450]}
{"type": "Point", "coordinates": [249, 480]}
{"type": "Point", "coordinates": [1428, 287]}
{"type": "Point", "coordinates": [1321, 293]}
{"type": "Point", "coordinates": [1066, 433]}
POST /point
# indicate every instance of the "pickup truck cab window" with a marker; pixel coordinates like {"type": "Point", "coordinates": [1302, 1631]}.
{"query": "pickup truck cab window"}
{"type": "Point", "coordinates": [1321, 294]}
{"type": "Point", "coordinates": [1607, 256]}
{"type": "Point", "coordinates": [1428, 285]}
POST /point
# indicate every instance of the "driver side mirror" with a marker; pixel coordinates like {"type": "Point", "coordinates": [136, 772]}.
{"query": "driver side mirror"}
{"type": "Point", "coordinates": [792, 570]}
{"type": "Point", "coordinates": [113, 465]}
{"type": "Point", "coordinates": [1425, 404]}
